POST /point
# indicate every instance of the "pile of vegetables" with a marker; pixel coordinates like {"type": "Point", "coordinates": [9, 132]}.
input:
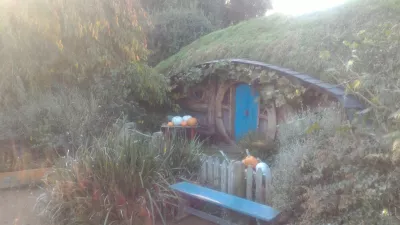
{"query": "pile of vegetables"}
{"type": "Point", "coordinates": [183, 121]}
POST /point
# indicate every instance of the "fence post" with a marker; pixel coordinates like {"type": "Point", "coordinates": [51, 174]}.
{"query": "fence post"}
{"type": "Point", "coordinates": [268, 188]}
{"type": "Point", "coordinates": [238, 179]}
{"type": "Point", "coordinates": [203, 172]}
{"type": "Point", "coordinates": [210, 177]}
{"type": "Point", "coordinates": [259, 186]}
{"type": "Point", "coordinates": [224, 177]}
{"type": "Point", "coordinates": [217, 168]}
{"type": "Point", "coordinates": [230, 178]}
{"type": "Point", "coordinates": [249, 183]}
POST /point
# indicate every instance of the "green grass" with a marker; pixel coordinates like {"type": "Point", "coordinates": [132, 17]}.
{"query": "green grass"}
{"type": "Point", "coordinates": [289, 42]}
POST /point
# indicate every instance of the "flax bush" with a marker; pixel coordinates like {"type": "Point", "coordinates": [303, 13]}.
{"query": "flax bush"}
{"type": "Point", "coordinates": [117, 181]}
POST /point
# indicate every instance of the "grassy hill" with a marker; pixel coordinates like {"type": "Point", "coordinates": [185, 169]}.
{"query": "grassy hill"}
{"type": "Point", "coordinates": [291, 42]}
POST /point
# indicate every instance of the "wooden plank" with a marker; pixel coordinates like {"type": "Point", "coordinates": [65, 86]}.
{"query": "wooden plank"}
{"type": "Point", "coordinates": [224, 176]}
{"type": "Point", "coordinates": [203, 172]}
{"type": "Point", "coordinates": [249, 183]}
{"type": "Point", "coordinates": [238, 179]}
{"type": "Point", "coordinates": [217, 169]}
{"type": "Point", "coordinates": [230, 178]}
{"type": "Point", "coordinates": [210, 171]}
{"type": "Point", "coordinates": [268, 187]}
{"type": "Point", "coordinates": [259, 187]}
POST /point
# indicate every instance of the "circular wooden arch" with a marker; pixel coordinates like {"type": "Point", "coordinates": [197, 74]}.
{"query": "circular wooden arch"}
{"type": "Point", "coordinates": [349, 102]}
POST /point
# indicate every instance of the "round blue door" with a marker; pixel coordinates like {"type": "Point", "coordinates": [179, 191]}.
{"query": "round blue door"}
{"type": "Point", "coordinates": [246, 110]}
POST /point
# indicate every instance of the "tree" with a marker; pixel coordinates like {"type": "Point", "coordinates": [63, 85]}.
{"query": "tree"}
{"type": "Point", "coordinates": [221, 13]}
{"type": "Point", "coordinates": [175, 28]}
{"type": "Point", "coordinates": [180, 22]}
{"type": "Point", "coordinates": [239, 10]}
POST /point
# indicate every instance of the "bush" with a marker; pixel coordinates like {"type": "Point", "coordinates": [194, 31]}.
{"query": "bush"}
{"type": "Point", "coordinates": [70, 69]}
{"type": "Point", "coordinates": [327, 172]}
{"type": "Point", "coordinates": [51, 42]}
{"type": "Point", "coordinates": [175, 28]}
{"type": "Point", "coordinates": [118, 181]}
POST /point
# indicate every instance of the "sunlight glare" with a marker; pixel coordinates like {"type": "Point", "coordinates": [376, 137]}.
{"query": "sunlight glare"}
{"type": "Point", "coordinates": [296, 7]}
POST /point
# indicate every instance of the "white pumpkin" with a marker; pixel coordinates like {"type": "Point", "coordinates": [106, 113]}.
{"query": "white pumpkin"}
{"type": "Point", "coordinates": [186, 118]}
{"type": "Point", "coordinates": [265, 170]}
{"type": "Point", "coordinates": [177, 120]}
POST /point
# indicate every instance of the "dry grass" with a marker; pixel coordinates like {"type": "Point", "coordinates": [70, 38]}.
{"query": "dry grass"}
{"type": "Point", "coordinates": [46, 115]}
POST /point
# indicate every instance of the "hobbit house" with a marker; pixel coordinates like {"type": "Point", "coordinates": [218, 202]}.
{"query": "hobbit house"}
{"type": "Point", "coordinates": [233, 97]}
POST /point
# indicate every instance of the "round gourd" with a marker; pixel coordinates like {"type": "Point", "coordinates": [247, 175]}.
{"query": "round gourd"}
{"type": "Point", "coordinates": [177, 120]}
{"type": "Point", "coordinates": [192, 122]}
{"type": "Point", "coordinates": [250, 161]}
{"type": "Point", "coordinates": [265, 170]}
{"type": "Point", "coordinates": [186, 118]}
{"type": "Point", "coordinates": [184, 124]}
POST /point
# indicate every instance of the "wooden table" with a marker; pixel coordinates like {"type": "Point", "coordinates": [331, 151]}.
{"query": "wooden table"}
{"type": "Point", "coordinates": [167, 132]}
{"type": "Point", "coordinates": [167, 129]}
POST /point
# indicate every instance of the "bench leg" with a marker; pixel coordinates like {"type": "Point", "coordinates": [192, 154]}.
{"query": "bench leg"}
{"type": "Point", "coordinates": [182, 205]}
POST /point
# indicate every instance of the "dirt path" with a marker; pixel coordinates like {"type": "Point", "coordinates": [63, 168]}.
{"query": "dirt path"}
{"type": "Point", "coordinates": [16, 208]}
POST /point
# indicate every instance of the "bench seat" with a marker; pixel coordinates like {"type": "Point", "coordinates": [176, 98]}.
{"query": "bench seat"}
{"type": "Point", "coordinates": [234, 203]}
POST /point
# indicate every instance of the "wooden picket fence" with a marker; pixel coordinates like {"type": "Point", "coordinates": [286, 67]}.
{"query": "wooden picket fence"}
{"type": "Point", "coordinates": [233, 178]}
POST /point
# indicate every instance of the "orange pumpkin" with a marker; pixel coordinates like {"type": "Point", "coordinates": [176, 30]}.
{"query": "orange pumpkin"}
{"type": "Point", "coordinates": [192, 122]}
{"type": "Point", "coordinates": [184, 124]}
{"type": "Point", "coordinates": [170, 124]}
{"type": "Point", "coordinates": [250, 161]}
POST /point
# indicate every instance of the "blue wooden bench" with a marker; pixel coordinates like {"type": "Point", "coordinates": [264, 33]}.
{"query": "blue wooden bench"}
{"type": "Point", "coordinates": [240, 205]}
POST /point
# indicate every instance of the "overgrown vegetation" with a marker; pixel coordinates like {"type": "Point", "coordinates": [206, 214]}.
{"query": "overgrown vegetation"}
{"type": "Point", "coordinates": [178, 23]}
{"type": "Point", "coordinates": [121, 179]}
{"type": "Point", "coordinates": [332, 174]}
{"type": "Point", "coordinates": [69, 70]}
{"type": "Point", "coordinates": [174, 28]}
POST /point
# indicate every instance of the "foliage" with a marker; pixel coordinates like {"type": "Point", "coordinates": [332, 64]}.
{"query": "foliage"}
{"type": "Point", "coordinates": [240, 10]}
{"type": "Point", "coordinates": [332, 174]}
{"type": "Point", "coordinates": [70, 69]}
{"type": "Point", "coordinates": [174, 28]}
{"type": "Point", "coordinates": [118, 181]}
{"type": "Point", "coordinates": [221, 13]}
{"type": "Point", "coordinates": [180, 22]}
{"type": "Point", "coordinates": [46, 42]}
{"type": "Point", "coordinates": [272, 87]}
{"type": "Point", "coordinates": [258, 146]}
{"type": "Point", "coordinates": [69, 118]}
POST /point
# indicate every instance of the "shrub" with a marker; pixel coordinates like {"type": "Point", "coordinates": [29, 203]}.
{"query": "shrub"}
{"type": "Point", "coordinates": [175, 28]}
{"type": "Point", "coordinates": [70, 69]}
{"type": "Point", "coordinates": [50, 42]}
{"type": "Point", "coordinates": [259, 146]}
{"type": "Point", "coordinates": [117, 181]}
{"type": "Point", "coordinates": [326, 172]}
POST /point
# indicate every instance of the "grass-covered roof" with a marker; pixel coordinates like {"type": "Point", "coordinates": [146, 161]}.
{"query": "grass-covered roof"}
{"type": "Point", "coordinates": [310, 43]}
